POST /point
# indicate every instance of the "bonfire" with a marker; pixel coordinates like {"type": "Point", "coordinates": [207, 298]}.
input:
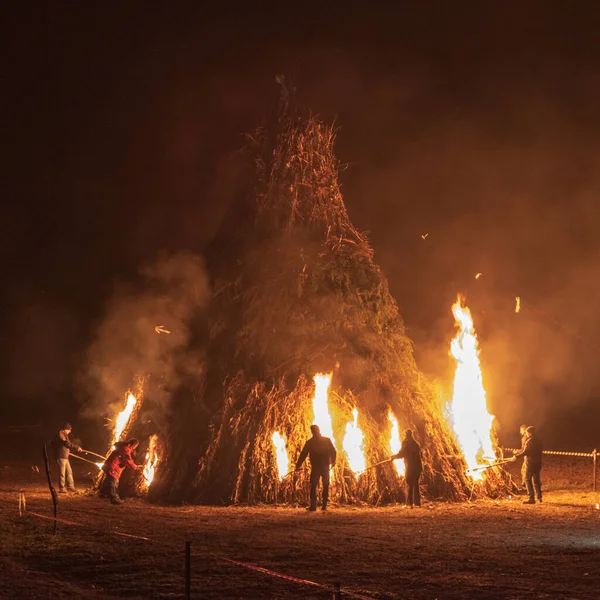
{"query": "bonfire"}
{"type": "Point", "coordinates": [302, 329]}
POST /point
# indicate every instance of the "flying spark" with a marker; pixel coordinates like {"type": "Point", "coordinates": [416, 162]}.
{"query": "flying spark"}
{"type": "Point", "coordinates": [518, 306]}
{"type": "Point", "coordinates": [424, 236]}
{"type": "Point", "coordinates": [478, 275]}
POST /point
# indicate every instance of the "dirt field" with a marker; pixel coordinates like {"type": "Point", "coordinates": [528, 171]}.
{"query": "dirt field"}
{"type": "Point", "coordinates": [484, 549]}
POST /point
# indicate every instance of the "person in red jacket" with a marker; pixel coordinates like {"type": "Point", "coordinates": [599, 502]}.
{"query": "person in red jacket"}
{"type": "Point", "coordinates": [118, 460]}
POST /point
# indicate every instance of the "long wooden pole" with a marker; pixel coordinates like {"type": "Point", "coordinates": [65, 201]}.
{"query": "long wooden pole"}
{"type": "Point", "coordinates": [84, 460]}
{"type": "Point", "coordinates": [595, 454]}
{"type": "Point", "coordinates": [52, 490]}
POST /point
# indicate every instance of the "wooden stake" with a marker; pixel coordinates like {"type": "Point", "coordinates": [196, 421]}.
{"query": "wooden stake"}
{"type": "Point", "coordinates": [52, 490]}
{"type": "Point", "coordinates": [188, 570]}
{"type": "Point", "coordinates": [337, 592]}
{"type": "Point", "coordinates": [595, 454]}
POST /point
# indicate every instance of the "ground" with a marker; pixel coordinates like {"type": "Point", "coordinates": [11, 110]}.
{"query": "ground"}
{"type": "Point", "coordinates": [484, 549]}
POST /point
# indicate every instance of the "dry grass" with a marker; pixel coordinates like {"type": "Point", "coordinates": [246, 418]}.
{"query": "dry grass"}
{"type": "Point", "coordinates": [486, 549]}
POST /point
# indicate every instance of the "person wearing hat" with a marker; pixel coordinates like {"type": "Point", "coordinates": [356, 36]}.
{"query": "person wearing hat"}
{"type": "Point", "coordinates": [62, 449]}
{"type": "Point", "coordinates": [532, 453]}
{"type": "Point", "coordinates": [410, 451]}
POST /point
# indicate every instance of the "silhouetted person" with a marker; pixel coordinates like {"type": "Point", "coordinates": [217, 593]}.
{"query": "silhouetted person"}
{"type": "Point", "coordinates": [118, 460]}
{"type": "Point", "coordinates": [322, 455]}
{"type": "Point", "coordinates": [523, 432]}
{"type": "Point", "coordinates": [62, 449]}
{"type": "Point", "coordinates": [532, 451]}
{"type": "Point", "coordinates": [410, 451]}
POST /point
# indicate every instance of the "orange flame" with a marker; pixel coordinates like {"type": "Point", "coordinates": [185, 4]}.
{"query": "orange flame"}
{"type": "Point", "coordinates": [395, 443]}
{"type": "Point", "coordinates": [123, 417]}
{"type": "Point", "coordinates": [353, 445]}
{"type": "Point", "coordinates": [470, 418]}
{"type": "Point", "coordinates": [322, 418]}
{"type": "Point", "coordinates": [151, 460]}
{"type": "Point", "coordinates": [281, 456]}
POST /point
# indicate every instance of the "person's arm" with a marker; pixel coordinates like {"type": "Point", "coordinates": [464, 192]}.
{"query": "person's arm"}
{"type": "Point", "coordinates": [67, 443]}
{"type": "Point", "coordinates": [401, 453]}
{"type": "Point", "coordinates": [524, 451]}
{"type": "Point", "coordinates": [302, 456]}
{"type": "Point", "coordinates": [332, 453]}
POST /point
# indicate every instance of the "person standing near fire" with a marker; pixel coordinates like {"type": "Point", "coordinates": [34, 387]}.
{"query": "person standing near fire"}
{"type": "Point", "coordinates": [322, 455]}
{"type": "Point", "coordinates": [118, 460]}
{"type": "Point", "coordinates": [410, 451]}
{"type": "Point", "coordinates": [532, 453]}
{"type": "Point", "coordinates": [62, 449]}
{"type": "Point", "coordinates": [523, 432]}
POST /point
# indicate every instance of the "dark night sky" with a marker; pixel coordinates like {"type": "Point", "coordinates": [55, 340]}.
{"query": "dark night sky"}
{"type": "Point", "coordinates": [477, 123]}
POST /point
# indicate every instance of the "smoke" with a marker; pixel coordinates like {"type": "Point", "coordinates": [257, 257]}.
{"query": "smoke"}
{"type": "Point", "coordinates": [146, 333]}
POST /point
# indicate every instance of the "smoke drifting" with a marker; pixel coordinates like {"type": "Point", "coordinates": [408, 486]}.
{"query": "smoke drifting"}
{"type": "Point", "coordinates": [145, 333]}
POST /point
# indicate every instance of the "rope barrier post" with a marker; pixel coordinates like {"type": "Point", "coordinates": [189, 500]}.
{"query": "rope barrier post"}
{"type": "Point", "coordinates": [52, 490]}
{"type": "Point", "coordinates": [337, 593]}
{"type": "Point", "coordinates": [594, 456]}
{"type": "Point", "coordinates": [188, 570]}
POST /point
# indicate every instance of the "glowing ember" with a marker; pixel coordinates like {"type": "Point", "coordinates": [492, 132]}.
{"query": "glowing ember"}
{"type": "Point", "coordinates": [518, 306]}
{"type": "Point", "coordinates": [597, 506]}
{"type": "Point", "coordinates": [322, 418]}
{"type": "Point", "coordinates": [354, 446]}
{"type": "Point", "coordinates": [151, 460]}
{"type": "Point", "coordinates": [281, 456]}
{"type": "Point", "coordinates": [395, 443]}
{"type": "Point", "coordinates": [470, 419]}
{"type": "Point", "coordinates": [478, 275]}
{"type": "Point", "coordinates": [123, 418]}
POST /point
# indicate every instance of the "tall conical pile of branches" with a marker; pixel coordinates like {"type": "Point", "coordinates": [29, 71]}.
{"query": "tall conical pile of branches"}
{"type": "Point", "coordinates": [297, 292]}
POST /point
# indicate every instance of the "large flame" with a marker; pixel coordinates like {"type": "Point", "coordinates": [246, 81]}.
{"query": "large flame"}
{"type": "Point", "coordinates": [123, 417]}
{"type": "Point", "coordinates": [151, 460]}
{"type": "Point", "coordinates": [322, 418]}
{"type": "Point", "coordinates": [354, 445]}
{"type": "Point", "coordinates": [281, 455]}
{"type": "Point", "coordinates": [395, 443]}
{"type": "Point", "coordinates": [470, 418]}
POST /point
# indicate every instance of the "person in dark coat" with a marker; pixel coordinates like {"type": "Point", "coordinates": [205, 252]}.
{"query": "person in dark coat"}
{"type": "Point", "coordinates": [62, 450]}
{"type": "Point", "coordinates": [532, 453]}
{"type": "Point", "coordinates": [523, 432]}
{"type": "Point", "coordinates": [410, 451]}
{"type": "Point", "coordinates": [322, 455]}
{"type": "Point", "coordinates": [118, 460]}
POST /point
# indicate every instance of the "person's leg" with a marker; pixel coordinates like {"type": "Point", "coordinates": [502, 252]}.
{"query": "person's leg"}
{"type": "Point", "coordinates": [325, 477]}
{"type": "Point", "coordinates": [69, 475]}
{"type": "Point", "coordinates": [314, 482]}
{"type": "Point", "coordinates": [537, 483]}
{"type": "Point", "coordinates": [416, 492]}
{"type": "Point", "coordinates": [114, 489]}
{"type": "Point", "coordinates": [523, 476]}
{"type": "Point", "coordinates": [409, 492]}
{"type": "Point", "coordinates": [529, 484]}
{"type": "Point", "coordinates": [61, 462]}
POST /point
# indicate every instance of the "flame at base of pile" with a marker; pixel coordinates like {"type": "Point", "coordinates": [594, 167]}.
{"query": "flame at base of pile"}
{"type": "Point", "coordinates": [353, 445]}
{"type": "Point", "coordinates": [281, 455]}
{"type": "Point", "coordinates": [123, 418]}
{"type": "Point", "coordinates": [471, 421]}
{"type": "Point", "coordinates": [396, 444]}
{"type": "Point", "coordinates": [151, 460]}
